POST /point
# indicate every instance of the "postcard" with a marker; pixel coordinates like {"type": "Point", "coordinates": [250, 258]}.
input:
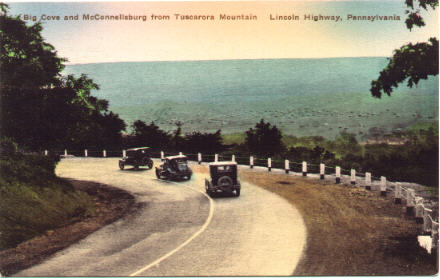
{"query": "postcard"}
{"type": "Point", "coordinates": [219, 138]}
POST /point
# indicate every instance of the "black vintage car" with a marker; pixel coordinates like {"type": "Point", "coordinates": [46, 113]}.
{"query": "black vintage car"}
{"type": "Point", "coordinates": [174, 168]}
{"type": "Point", "coordinates": [223, 178]}
{"type": "Point", "coordinates": [136, 157]}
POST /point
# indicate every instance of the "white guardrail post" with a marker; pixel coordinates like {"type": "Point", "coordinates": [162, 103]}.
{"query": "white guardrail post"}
{"type": "Point", "coordinates": [434, 239]}
{"type": "Point", "coordinates": [233, 158]}
{"type": "Point", "coordinates": [367, 180]}
{"type": "Point", "coordinates": [65, 152]}
{"type": "Point", "coordinates": [410, 201]}
{"type": "Point", "coordinates": [383, 186]}
{"type": "Point", "coordinates": [216, 157]}
{"type": "Point", "coordinates": [86, 153]}
{"type": "Point", "coordinates": [180, 153]}
{"type": "Point", "coordinates": [338, 174]}
{"type": "Point", "coordinates": [398, 194]}
{"type": "Point", "coordinates": [304, 168]}
{"type": "Point", "coordinates": [199, 158]}
{"type": "Point", "coordinates": [251, 162]}
{"type": "Point", "coordinates": [45, 152]}
{"type": "Point", "coordinates": [287, 166]}
{"type": "Point", "coordinates": [124, 153]}
{"type": "Point", "coordinates": [419, 210]}
{"type": "Point", "coordinates": [322, 171]}
{"type": "Point", "coordinates": [353, 176]}
{"type": "Point", "coordinates": [269, 164]}
{"type": "Point", "coordinates": [104, 153]}
{"type": "Point", "coordinates": [427, 224]}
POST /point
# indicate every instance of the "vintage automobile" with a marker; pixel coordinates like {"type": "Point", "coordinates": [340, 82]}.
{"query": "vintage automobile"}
{"type": "Point", "coordinates": [223, 178]}
{"type": "Point", "coordinates": [174, 168]}
{"type": "Point", "coordinates": [136, 157]}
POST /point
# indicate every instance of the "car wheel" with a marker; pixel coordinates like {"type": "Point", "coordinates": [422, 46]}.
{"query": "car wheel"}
{"type": "Point", "coordinates": [237, 192]}
{"type": "Point", "coordinates": [188, 177]}
{"type": "Point", "coordinates": [225, 181]}
{"type": "Point", "coordinates": [121, 165]}
{"type": "Point", "coordinates": [157, 174]}
{"type": "Point", "coordinates": [150, 164]}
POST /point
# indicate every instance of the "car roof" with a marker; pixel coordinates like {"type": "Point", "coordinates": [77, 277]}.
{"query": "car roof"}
{"type": "Point", "coordinates": [137, 149]}
{"type": "Point", "coordinates": [220, 163]}
{"type": "Point", "coordinates": [176, 157]}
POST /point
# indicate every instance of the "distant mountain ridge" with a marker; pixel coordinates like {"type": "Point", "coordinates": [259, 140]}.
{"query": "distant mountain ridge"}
{"type": "Point", "coordinates": [200, 93]}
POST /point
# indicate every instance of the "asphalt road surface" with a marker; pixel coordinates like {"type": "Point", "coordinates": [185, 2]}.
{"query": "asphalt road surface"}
{"type": "Point", "coordinates": [177, 230]}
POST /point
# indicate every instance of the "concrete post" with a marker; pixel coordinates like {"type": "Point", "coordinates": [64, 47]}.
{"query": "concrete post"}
{"type": "Point", "coordinates": [104, 153]}
{"type": "Point", "coordinates": [269, 164]}
{"type": "Point", "coordinates": [251, 162]}
{"type": "Point", "coordinates": [419, 210]}
{"type": "Point", "coordinates": [383, 186]}
{"type": "Point", "coordinates": [199, 158]}
{"type": "Point", "coordinates": [434, 236]}
{"type": "Point", "coordinates": [216, 157]}
{"type": "Point", "coordinates": [398, 194]}
{"type": "Point", "coordinates": [353, 176]}
{"type": "Point", "coordinates": [321, 171]}
{"type": "Point", "coordinates": [338, 175]}
{"type": "Point", "coordinates": [287, 166]}
{"type": "Point", "coordinates": [86, 153]}
{"type": "Point", "coordinates": [304, 168]}
{"type": "Point", "coordinates": [410, 202]}
{"type": "Point", "coordinates": [426, 222]}
{"type": "Point", "coordinates": [367, 180]}
{"type": "Point", "coordinates": [233, 158]}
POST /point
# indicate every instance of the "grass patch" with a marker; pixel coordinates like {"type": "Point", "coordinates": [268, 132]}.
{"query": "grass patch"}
{"type": "Point", "coordinates": [34, 200]}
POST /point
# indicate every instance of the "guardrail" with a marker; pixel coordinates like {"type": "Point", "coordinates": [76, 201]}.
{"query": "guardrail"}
{"type": "Point", "coordinates": [415, 205]}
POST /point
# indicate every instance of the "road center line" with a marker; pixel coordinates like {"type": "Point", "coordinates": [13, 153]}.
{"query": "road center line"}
{"type": "Point", "coordinates": [202, 229]}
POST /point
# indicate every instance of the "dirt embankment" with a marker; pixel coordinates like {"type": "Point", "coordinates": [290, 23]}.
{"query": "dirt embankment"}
{"type": "Point", "coordinates": [350, 231]}
{"type": "Point", "coordinates": [111, 204]}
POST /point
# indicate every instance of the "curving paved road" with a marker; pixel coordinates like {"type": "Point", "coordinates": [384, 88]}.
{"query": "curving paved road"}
{"type": "Point", "coordinates": [177, 230]}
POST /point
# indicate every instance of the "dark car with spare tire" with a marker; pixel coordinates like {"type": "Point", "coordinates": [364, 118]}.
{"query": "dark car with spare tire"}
{"type": "Point", "coordinates": [223, 179]}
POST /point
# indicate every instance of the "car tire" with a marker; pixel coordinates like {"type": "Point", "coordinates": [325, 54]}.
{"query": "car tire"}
{"type": "Point", "coordinates": [121, 165]}
{"type": "Point", "coordinates": [237, 192]}
{"type": "Point", "coordinates": [157, 174]}
{"type": "Point", "coordinates": [224, 181]}
{"type": "Point", "coordinates": [150, 164]}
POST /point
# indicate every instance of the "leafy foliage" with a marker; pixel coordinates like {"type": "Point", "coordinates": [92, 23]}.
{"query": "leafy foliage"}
{"type": "Point", "coordinates": [412, 61]}
{"type": "Point", "coordinates": [40, 109]}
{"type": "Point", "coordinates": [264, 139]}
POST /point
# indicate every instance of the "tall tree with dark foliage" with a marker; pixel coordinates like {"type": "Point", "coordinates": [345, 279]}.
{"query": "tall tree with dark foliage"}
{"type": "Point", "coordinates": [41, 109]}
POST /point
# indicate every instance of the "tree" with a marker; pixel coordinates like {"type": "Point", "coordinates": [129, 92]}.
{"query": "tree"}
{"type": "Point", "coordinates": [204, 142]}
{"type": "Point", "coordinates": [150, 135]}
{"type": "Point", "coordinates": [412, 61]}
{"type": "Point", "coordinates": [264, 140]}
{"type": "Point", "coordinates": [39, 107]}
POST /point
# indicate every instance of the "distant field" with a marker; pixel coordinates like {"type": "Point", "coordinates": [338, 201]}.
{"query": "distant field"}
{"type": "Point", "coordinates": [303, 97]}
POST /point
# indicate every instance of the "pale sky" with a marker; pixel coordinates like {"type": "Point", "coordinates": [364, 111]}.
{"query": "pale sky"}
{"type": "Point", "coordinates": [82, 41]}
